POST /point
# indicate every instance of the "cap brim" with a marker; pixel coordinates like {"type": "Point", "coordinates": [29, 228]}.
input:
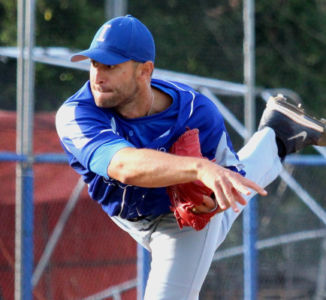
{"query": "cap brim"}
{"type": "Point", "coordinates": [102, 56]}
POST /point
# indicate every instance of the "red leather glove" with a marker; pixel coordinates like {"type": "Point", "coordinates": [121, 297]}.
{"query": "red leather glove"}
{"type": "Point", "coordinates": [186, 196]}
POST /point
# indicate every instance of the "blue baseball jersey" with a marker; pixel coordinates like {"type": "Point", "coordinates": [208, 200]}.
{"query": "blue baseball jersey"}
{"type": "Point", "coordinates": [91, 135]}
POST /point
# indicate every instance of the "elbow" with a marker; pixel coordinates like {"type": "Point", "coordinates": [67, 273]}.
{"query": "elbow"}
{"type": "Point", "coordinates": [121, 173]}
{"type": "Point", "coordinates": [125, 177]}
{"type": "Point", "coordinates": [127, 180]}
{"type": "Point", "coordinates": [125, 167]}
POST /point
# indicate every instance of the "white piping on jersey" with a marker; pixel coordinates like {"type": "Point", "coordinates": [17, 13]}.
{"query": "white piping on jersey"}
{"type": "Point", "coordinates": [192, 104]}
{"type": "Point", "coordinates": [192, 93]}
{"type": "Point", "coordinates": [175, 85]}
{"type": "Point", "coordinates": [106, 130]}
{"type": "Point", "coordinates": [123, 198]}
{"type": "Point", "coordinates": [139, 214]}
{"type": "Point", "coordinates": [224, 156]}
{"type": "Point", "coordinates": [113, 125]}
{"type": "Point", "coordinates": [165, 133]}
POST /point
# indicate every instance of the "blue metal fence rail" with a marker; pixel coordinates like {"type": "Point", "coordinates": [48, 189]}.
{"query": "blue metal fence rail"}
{"type": "Point", "coordinates": [208, 86]}
{"type": "Point", "coordinates": [60, 158]}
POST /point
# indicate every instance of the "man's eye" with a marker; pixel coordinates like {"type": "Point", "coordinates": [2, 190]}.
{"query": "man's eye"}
{"type": "Point", "coordinates": [110, 66]}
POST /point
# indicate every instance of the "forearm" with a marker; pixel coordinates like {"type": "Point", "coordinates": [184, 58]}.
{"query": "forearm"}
{"type": "Point", "coordinates": [151, 168]}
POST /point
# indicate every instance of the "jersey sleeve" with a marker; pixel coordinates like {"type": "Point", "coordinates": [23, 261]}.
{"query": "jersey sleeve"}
{"type": "Point", "coordinates": [103, 155]}
{"type": "Point", "coordinates": [214, 138]}
{"type": "Point", "coordinates": [83, 129]}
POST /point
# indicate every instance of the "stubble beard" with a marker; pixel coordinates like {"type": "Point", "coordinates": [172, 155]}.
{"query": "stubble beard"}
{"type": "Point", "coordinates": [117, 98]}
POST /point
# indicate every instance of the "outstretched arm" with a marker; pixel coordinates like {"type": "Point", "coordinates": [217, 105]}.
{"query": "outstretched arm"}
{"type": "Point", "coordinates": [151, 168]}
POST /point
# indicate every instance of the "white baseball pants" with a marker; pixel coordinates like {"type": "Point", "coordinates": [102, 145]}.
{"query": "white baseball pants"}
{"type": "Point", "coordinates": [181, 258]}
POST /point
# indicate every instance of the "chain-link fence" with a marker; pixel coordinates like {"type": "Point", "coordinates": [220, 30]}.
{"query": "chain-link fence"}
{"type": "Point", "coordinates": [291, 243]}
{"type": "Point", "coordinates": [82, 251]}
{"type": "Point", "coordinates": [89, 255]}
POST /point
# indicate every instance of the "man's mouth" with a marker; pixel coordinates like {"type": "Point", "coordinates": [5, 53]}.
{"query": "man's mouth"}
{"type": "Point", "coordinates": [102, 90]}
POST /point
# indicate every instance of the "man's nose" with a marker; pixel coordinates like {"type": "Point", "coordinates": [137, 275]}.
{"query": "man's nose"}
{"type": "Point", "coordinates": [99, 75]}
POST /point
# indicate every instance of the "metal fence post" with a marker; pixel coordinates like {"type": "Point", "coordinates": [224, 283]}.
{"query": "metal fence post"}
{"type": "Point", "coordinates": [249, 249]}
{"type": "Point", "coordinates": [24, 171]}
{"type": "Point", "coordinates": [249, 216]}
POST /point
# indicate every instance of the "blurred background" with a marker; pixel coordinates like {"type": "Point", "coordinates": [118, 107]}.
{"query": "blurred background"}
{"type": "Point", "coordinates": [202, 38]}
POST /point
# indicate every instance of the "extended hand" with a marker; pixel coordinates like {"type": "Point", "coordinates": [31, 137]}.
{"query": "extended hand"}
{"type": "Point", "coordinates": [227, 186]}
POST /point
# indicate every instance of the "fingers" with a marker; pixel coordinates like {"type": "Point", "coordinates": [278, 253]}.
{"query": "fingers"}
{"type": "Point", "coordinates": [209, 202]}
{"type": "Point", "coordinates": [243, 185]}
{"type": "Point", "coordinates": [229, 187]}
{"type": "Point", "coordinates": [227, 196]}
{"type": "Point", "coordinates": [222, 201]}
{"type": "Point", "coordinates": [255, 187]}
{"type": "Point", "coordinates": [229, 190]}
{"type": "Point", "coordinates": [207, 206]}
{"type": "Point", "coordinates": [239, 198]}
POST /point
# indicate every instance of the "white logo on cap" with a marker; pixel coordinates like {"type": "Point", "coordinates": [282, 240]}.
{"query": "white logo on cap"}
{"type": "Point", "coordinates": [104, 30]}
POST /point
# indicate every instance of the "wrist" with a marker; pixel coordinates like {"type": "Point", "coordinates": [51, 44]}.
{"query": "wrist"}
{"type": "Point", "coordinates": [201, 168]}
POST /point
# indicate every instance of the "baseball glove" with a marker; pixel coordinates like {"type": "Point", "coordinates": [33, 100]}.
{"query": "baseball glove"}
{"type": "Point", "coordinates": [186, 196]}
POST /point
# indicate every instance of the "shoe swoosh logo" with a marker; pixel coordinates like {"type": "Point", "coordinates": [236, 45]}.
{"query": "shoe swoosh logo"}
{"type": "Point", "coordinates": [302, 134]}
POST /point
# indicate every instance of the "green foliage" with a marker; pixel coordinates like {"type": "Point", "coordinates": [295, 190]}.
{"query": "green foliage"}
{"type": "Point", "coordinates": [8, 20]}
{"type": "Point", "coordinates": [191, 38]}
{"type": "Point", "coordinates": [56, 86]}
{"type": "Point", "coordinates": [290, 48]}
{"type": "Point", "coordinates": [67, 23]}
{"type": "Point", "coordinates": [198, 37]}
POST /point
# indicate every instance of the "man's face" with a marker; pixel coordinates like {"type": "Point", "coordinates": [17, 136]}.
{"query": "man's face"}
{"type": "Point", "coordinates": [113, 86]}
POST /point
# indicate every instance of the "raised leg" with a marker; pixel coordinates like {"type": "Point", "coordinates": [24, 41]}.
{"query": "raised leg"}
{"type": "Point", "coordinates": [181, 258]}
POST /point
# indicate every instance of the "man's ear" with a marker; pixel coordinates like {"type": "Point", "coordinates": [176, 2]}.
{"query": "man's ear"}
{"type": "Point", "coordinates": [146, 69]}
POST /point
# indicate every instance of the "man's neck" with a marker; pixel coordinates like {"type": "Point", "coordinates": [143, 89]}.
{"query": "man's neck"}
{"type": "Point", "coordinates": [148, 103]}
{"type": "Point", "coordinates": [161, 101]}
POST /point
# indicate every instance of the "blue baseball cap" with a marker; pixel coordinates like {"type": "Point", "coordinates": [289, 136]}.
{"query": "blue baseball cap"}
{"type": "Point", "coordinates": [119, 40]}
